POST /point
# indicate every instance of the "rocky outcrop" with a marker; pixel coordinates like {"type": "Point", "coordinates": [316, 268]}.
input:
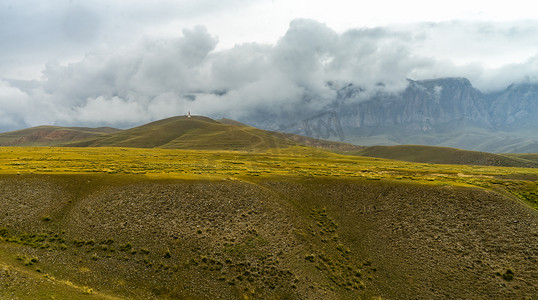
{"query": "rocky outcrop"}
{"type": "Point", "coordinates": [439, 112]}
{"type": "Point", "coordinates": [516, 107]}
{"type": "Point", "coordinates": [422, 106]}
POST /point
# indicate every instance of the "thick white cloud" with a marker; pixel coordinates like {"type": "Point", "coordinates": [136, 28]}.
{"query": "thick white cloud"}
{"type": "Point", "coordinates": [160, 77]}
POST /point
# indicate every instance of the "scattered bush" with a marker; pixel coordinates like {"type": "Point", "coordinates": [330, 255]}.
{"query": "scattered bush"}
{"type": "Point", "coordinates": [508, 275]}
{"type": "Point", "coordinates": [309, 257]}
{"type": "Point", "coordinates": [126, 247]}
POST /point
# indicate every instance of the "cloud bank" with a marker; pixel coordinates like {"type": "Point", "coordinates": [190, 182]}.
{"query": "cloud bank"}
{"type": "Point", "coordinates": [301, 73]}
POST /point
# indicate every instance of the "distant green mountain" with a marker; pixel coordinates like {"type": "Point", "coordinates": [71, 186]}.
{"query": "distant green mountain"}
{"type": "Point", "coordinates": [525, 156]}
{"type": "Point", "coordinates": [51, 135]}
{"type": "Point", "coordinates": [444, 155]}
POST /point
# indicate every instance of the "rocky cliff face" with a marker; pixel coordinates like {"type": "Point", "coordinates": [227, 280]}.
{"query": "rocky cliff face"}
{"type": "Point", "coordinates": [440, 112]}
{"type": "Point", "coordinates": [516, 107]}
{"type": "Point", "coordinates": [423, 106]}
{"type": "Point", "coordinates": [443, 112]}
{"type": "Point", "coordinates": [446, 112]}
{"type": "Point", "coordinates": [438, 102]}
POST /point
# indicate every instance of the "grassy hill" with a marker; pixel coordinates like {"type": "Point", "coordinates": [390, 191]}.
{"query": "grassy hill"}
{"type": "Point", "coordinates": [203, 133]}
{"type": "Point", "coordinates": [190, 133]}
{"type": "Point", "coordinates": [297, 223]}
{"type": "Point", "coordinates": [525, 156]}
{"type": "Point", "coordinates": [479, 139]}
{"type": "Point", "coordinates": [51, 135]}
{"type": "Point", "coordinates": [179, 132]}
{"type": "Point", "coordinates": [444, 155]}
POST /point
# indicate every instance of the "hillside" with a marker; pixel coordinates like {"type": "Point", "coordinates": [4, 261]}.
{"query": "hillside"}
{"type": "Point", "coordinates": [116, 223]}
{"type": "Point", "coordinates": [179, 132]}
{"type": "Point", "coordinates": [51, 135]}
{"type": "Point", "coordinates": [526, 156]}
{"type": "Point", "coordinates": [204, 133]}
{"type": "Point", "coordinates": [196, 132]}
{"type": "Point", "coordinates": [444, 155]}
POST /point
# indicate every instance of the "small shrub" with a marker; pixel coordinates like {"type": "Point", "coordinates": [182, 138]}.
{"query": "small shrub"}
{"type": "Point", "coordinates": [309, 257]}
{"type": "Point", "coordinates": [126, 247]}
{"type": "Point", "coordinates": [508, 275]}
{"type": "Point", "coordinates": [3, 232]}
{"type": "Point", "coordinates": [167, 254]}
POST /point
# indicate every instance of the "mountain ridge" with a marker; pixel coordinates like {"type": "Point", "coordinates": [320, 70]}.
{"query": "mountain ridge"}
{"type": "Point", "coordinates": [437, 112]}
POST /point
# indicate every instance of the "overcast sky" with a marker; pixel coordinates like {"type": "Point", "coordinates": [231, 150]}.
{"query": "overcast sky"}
{"type": "Point", "coordinates": [122, 63]}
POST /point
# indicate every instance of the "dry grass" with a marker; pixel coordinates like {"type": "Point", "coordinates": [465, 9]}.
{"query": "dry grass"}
{"type": "Point", "coordinates": [293, 161]}
{"type": "Point", "coordinates": [283, 223]}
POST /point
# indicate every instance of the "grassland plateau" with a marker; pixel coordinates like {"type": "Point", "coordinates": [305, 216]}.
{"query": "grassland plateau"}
{"type": "Point", "coordinates": [273, 220]}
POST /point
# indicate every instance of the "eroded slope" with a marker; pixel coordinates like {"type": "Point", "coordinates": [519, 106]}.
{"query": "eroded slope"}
{"type": "Point", "coordinates": [130, 236]}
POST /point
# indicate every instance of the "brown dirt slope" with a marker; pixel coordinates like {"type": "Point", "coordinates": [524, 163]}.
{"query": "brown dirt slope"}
{"type": "Point", "coordinates": [129, 236]}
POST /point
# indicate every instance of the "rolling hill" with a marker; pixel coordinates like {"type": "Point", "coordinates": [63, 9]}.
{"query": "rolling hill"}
{"type": "Point", "coordinates": [203, 133]}
{"type": "Point", "coordinates": [51, 135]}
{"type": "Point", "coordinates": [298, 223]}
{"type": "Point", "coordinates": [133, 237]}
{"type": "Point", "coordinates": [194, 132]}
{"type": "Point", "coordinates": [444, 155]}
{"type": "Point", "coordinates": [525, 156]}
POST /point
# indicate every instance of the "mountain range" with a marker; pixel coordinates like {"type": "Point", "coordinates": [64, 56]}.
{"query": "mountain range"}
{"type": "Point", "coordinates": [440, 112]}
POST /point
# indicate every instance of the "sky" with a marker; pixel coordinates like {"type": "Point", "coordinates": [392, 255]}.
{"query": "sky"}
{"type": "Point", "coordinates": [126, 62]}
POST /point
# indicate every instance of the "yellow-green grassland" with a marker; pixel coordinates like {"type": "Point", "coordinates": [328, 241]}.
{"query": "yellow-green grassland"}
{"type": "Point", "coordinates": [278, 223]}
